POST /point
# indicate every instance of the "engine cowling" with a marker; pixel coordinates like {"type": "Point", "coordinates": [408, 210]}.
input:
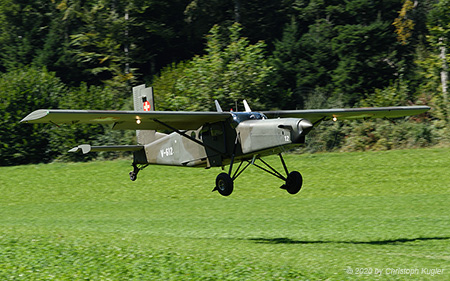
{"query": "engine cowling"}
{"type": "Point", "coordinates": [264, 134]}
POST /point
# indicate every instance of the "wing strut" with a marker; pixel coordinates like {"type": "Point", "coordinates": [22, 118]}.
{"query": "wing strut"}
{"type": "Point", "coordinates": [187, 136]}
{"type": "Point", "coordinates": [320, 120]}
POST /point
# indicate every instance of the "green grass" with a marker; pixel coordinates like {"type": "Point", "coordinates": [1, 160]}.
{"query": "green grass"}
{"type": "Point", "coordinates": [374, 210]}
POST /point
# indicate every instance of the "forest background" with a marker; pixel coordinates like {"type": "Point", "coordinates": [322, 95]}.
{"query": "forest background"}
{"type": "Point", "coordinates": [287, 54]}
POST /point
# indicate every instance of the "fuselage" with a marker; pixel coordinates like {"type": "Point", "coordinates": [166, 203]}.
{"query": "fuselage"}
{"type": "Point", "coordinates": [244, 135]}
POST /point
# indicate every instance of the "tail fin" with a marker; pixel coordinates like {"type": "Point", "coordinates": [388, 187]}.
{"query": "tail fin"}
{"type": "Point", "coordinates": [143, 101]}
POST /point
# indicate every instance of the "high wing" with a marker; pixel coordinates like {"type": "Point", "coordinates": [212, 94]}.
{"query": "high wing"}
{"type": "Point", "coordinates": [317, 115]}
{"type": "Point", "coordinates": [183, 120]}
{"type": "Point", "coordinates": [128, 120]}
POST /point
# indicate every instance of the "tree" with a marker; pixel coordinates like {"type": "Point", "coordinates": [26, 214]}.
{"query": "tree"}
{"type": "Point", "coordinates": [122, 41]}
{"type": "Point", "coordinates": [403, 24]}
{"type": "Point", "coordinates": [23, 29]}
{"type": "Point", "coordinates": [340, 49]}
{"type": "Point", "coordinates": [434, 63]}
{"type": "Point", "coordinates": [232, 70]}
{"type": "Point", "coordinates": [64, 137]}
{"type": "Point", "coordinates": [285, 61]}
{"type": "Point", "coordinates": [100, 47]}
{"type": "Point", "coordinates": [302, 63]}
{"type": "Point", "coordinates": [365, 60]}
{"type": "Point", "coordinates": [440, 38]}
{"type": "Point", "coordinates": [22, 91]}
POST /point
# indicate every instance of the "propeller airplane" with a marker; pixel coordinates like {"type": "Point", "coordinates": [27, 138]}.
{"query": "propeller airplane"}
{"type": "Point", "coordinates": [212, 139]}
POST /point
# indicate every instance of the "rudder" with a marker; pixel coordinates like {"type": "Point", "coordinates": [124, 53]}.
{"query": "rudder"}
{"type": "Point", "coordinates": [143, 101]}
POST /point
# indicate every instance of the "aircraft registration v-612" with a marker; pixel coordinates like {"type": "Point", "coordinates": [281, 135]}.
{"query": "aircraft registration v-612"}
{"type": "Point", "coordinates": [212, 139]}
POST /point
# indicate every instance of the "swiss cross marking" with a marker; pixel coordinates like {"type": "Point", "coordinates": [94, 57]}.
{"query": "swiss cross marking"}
{"type": "Point", "coordinates": [147, 106]}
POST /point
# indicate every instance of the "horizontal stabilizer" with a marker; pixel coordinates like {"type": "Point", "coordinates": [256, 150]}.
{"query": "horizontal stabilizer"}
{"type": "Point", "coordinates": [86, 148]}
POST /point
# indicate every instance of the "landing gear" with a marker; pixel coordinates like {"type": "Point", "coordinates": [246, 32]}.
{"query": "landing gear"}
{"type": "Point", "coordinates": [225, 181]}
{"type": "Point", "coordinates": [294, 182]}
{"type": "Point", "coordinates": [133, 174]}
{"type": "Point", "coordinates": [224, 184]}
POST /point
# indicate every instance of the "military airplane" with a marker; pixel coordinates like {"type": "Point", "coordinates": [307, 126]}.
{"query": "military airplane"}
{"type": "Point", "coordinates": [212, 139]}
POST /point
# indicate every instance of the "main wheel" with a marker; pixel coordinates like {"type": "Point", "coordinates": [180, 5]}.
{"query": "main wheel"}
{"type": "Point", "coordinates": [224, 184]}
{"type": "Point", "coordinates": [294, 182]}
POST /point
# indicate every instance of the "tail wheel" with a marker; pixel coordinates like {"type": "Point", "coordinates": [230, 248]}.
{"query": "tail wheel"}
{"type": "Point", "coordinates": [136, 168]}
{"type": "Point", "coordinates": [224, 184]}
{"type": "Point", "coordinates": [133, 176]}
{"type": "Point", "coordinates": [294, 182]}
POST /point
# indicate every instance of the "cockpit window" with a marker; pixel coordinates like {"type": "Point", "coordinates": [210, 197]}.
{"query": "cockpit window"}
{"type": "Point", "coordinates": [238, 117]}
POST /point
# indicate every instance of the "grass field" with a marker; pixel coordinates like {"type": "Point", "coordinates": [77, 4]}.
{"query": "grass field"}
{"type": "Point", "coordinates": [372, 215]}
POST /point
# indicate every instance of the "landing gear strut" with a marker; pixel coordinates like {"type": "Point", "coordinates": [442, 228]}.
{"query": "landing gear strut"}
{"type": "Point", "coordinates": [225, 181]}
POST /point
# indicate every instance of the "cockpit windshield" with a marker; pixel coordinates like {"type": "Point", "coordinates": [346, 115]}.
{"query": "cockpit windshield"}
{"type": "Point", "coordinates": [238, 117]}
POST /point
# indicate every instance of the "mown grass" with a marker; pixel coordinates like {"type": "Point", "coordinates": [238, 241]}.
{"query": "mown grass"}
{"type": "Point", "coordinates": [374, 210]}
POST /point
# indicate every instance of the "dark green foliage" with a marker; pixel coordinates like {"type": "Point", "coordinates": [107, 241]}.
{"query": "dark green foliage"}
{"type": "Point", "coordinates": [24, 91]}
{"type": "Point", "coordinates": [347, 49]}
{"type": "Point", "coordinates": [303, 63]}
{"type": "Point", "coordinates": [20, 93]}
{"type": "Point", "coordinates": [384, 135]}
{"type": "Point", "coordinates": [362, 135]}
{"type": "Point", "coordinates": [365, 62]}
{"type": "Point", "coordinates": [23, 30]}
{"type": "Point", "coordinates": [231, 70]}
{"type": "Point", "coordinates": [374, 135]}
{"type": "Point", "coordinates": [64, 137]}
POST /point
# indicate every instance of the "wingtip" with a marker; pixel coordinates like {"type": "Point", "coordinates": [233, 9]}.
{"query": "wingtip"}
{"type": "Point", "coordinates": [85, 148]}
{"type": "Point", "coordinates": [35, 115]}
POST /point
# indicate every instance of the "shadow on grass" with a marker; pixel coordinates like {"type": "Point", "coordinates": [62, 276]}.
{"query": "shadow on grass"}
{"type": "Point", "coordinates": [378, 242]}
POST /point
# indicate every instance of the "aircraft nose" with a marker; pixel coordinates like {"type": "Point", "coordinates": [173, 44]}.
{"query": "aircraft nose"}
{"type": "Point", "coordinates": [304, 126]}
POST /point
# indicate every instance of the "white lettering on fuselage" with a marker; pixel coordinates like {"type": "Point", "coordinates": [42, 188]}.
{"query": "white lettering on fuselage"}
{"type": "Point", "coordinates": [166, 152]}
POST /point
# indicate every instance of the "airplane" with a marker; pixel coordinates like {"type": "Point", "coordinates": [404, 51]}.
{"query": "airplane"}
{"type": "Point", "coordinates": [213, 138]}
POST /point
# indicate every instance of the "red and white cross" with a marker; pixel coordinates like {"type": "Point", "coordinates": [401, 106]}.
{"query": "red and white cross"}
{"type": "Point", "coordinates": [147, 106]}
